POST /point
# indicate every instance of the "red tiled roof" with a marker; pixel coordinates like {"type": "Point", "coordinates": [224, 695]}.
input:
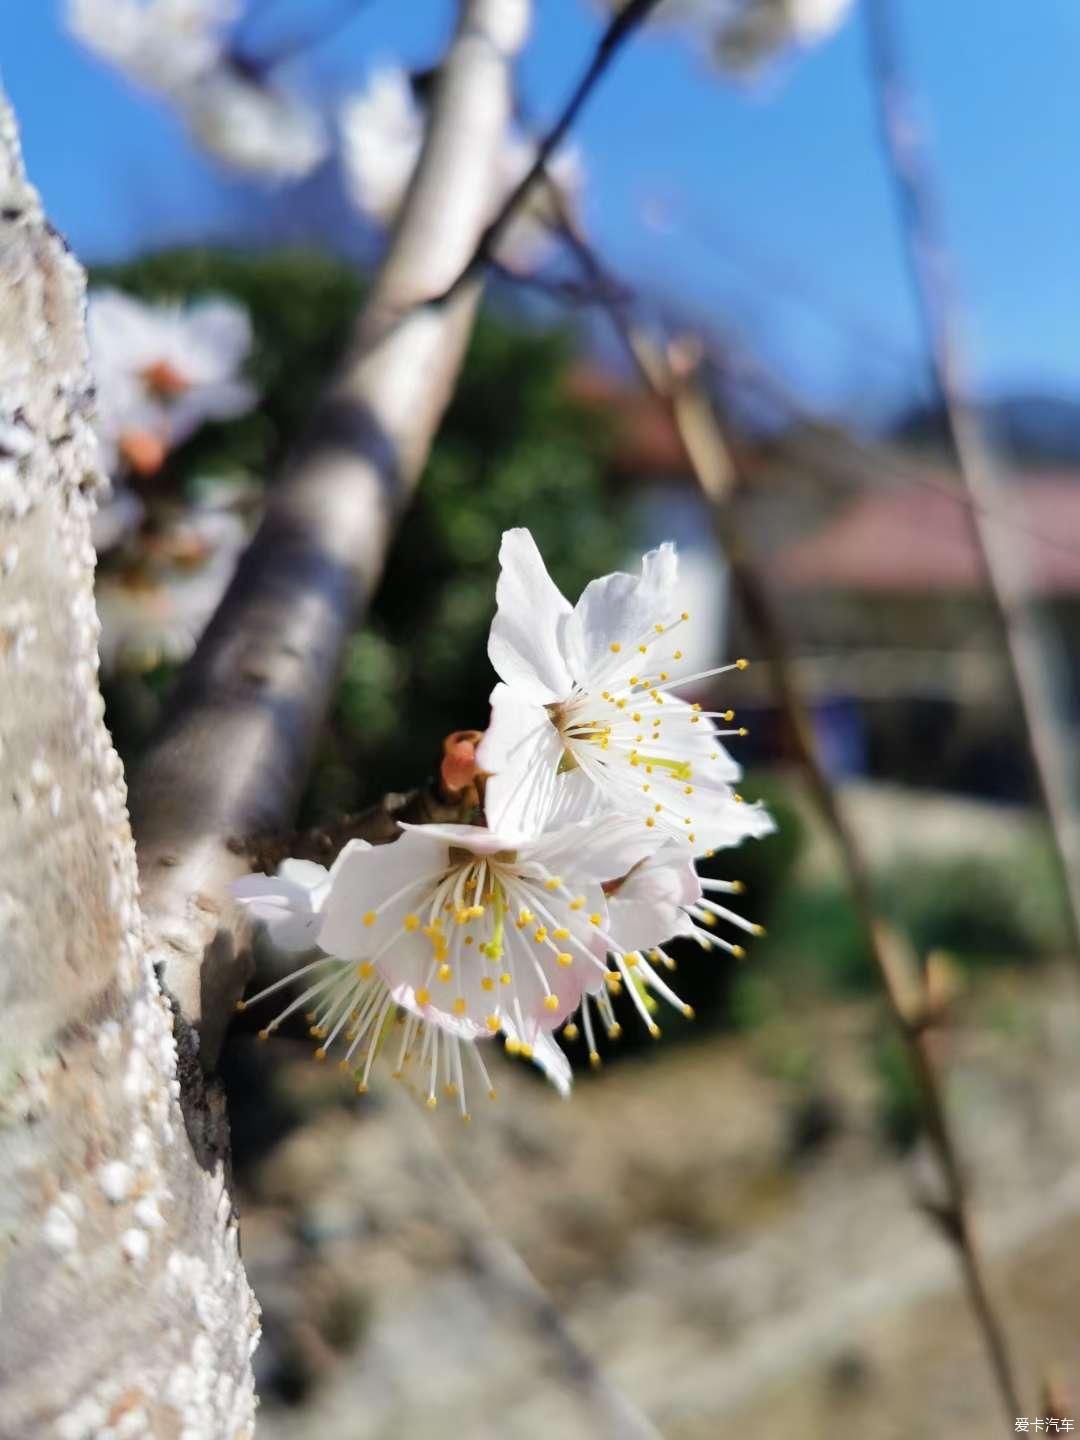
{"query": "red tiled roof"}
{"type": "Point", "coordinates": [915, 538]}
{"type": "Point", "coordinates": [646, 440]}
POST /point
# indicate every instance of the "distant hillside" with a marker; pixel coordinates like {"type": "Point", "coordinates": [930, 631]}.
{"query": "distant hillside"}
{"type": "Point", "coordinates": [1035, 429]}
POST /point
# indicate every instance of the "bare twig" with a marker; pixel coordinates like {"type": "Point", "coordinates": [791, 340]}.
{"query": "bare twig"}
{"type": "Point", "coordinates": [910, 171]}
{"type": "Point", "coordinates": [619, 29]}
{"type": "Point", "coordinates": [235, 751]}
{"type": "Point", "coordinates": [714, 462]}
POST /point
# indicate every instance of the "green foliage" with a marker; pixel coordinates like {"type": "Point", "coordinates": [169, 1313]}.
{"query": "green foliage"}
{"type": "Point", "coordinates": [899, 1105]}
{"type": "Point", "coordinates": [978, 908]}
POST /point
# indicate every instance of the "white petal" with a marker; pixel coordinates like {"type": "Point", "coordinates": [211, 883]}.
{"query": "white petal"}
{"type": "Point", "coordinates": [606, 847]}
{"type": "Point", "coordinates": [724, 824]}
{"type": "Point", "coordinates": [364, 879]}
{"type": "Point", "coordinates": [526, 640]}
{"type": "Point", "coordinates": [521, 751]}
{"type": "Point", "coordinates": [547, 1056]}
{"type": "Point", "coordinates": [620, 610]}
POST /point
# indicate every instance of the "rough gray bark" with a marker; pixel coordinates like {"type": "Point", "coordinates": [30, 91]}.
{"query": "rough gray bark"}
{"type": "Point", "coordinates": [123, 1298]}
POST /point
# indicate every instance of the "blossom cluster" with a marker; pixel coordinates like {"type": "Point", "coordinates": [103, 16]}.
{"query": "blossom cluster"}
{"type": "Point", "coordinates": [182, 49]}
{"type": "Point", "coordinates": [161, 371]}
{"type": "Point", "coordinates": [601, 786]}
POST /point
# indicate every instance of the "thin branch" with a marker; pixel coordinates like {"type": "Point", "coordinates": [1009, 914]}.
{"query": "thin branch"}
{"type": "Point", "coordinates": [910, 170]}
{"type": "Point", "coordinates": [714, 462]}
{"type": "Point", "coordinates": [619, 29]}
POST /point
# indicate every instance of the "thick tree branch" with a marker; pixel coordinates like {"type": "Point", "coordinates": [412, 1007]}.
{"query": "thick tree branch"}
{"type": "Point", "coordinates": [236, 751]}
{"type": "Point", "coordinates": [121, 1289]}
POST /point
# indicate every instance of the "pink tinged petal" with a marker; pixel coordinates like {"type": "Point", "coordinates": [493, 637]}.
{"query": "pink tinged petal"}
{"type": "Point", "coordinates": [521, 751]}
{"type": "Point", "coordinates": [619, 610]}
{"type": "Point", "coordinates": [648, 907]}
{"type": "Point", "coordinates": [363, 881]}
{"type": "Point", "coordinates": [465, 1027]}
{"type": "Point", "coordinates": [525, 644]}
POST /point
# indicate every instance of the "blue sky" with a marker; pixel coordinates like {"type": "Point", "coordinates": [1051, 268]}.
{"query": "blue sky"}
{"type": "Point", "coordinates": [777, 219]}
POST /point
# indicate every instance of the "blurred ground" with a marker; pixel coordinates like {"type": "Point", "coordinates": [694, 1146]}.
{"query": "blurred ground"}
{"type": "Point", "coordinates": [734, 1238]}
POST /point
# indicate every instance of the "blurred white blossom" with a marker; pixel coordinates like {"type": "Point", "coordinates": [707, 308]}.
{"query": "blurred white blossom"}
{"type": "Point", "coordinates": [154, 607]}
{"type": "Point", "coordinates": [744, 35]}
{"type": "Point", "coordinates": [382, 132]}
{"type": "Point", "coordinates": [256, 127]}
{"type": "Point", "coordinates": [161, 44]}
{"type": "Point", "coordinates": [161, 370]}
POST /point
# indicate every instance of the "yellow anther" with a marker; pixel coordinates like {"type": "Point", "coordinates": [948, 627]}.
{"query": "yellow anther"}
{"type": "Point", "coordinates": [728, 715]}
{"type": "Point", "coordinates": [476, 911]}
{"type": "Point", "coordinates": [526, 1051]}
{"type": "Point", "coordinates": [594, 919]}
{"type": "Point", "coordinates": [469, 940]}
{"type": "Point", "coordinates": [551, 1002]}
{"type": "Point", "coordinates": [365, 969]}
{"type": "Point", "coordinates": [654, 1031]}
{"type": "Point", "coordinates": [561, 934]}
{"type": "Point", "coordinates": [658, 808]}
{"type": "Point", "coordinates": [487, 983]}
{"type": "Point", "coordinates": [423, 996]}
{"type": "Point", "coordinates": [450, 1090]}
{"type": "Point", "coordinates": [524, 918]}
{"type": "Point", "coordinates": [708, 918]}
{"type": "Point", "coordinates": [594, 1059]}
{"type": "Point", "coordinates": [743, 732]}
{"type": "Point", "coordinates": [361, 1088]}
{"type": "Point", "coordinates": [649, 821]}
{"type": "Point", "coordinates": [615, 647]}
{"type": "Point", "coordinates": [690, 838]}
{"type": "Point", "coordinates": [264, 1034]}
{"type": "Point", "coordinates": [741, 664]}
{"type": "Point", "coordinates": [431, 1102]}
{"type": "Point", "coordinates": [459, 1006]}
{"type": "Point", "coordinates": [552, 882]}
{"type": "Point", "coordinates": [411, 922]}
{"type": "Point", "coordinates": [241, 1005]}
{"type": "Point", "coordinates": [689, 790]}
{"type": "Point", "coordinates": [504, 978]}
{"type": "Point", "coordinates": [757, 930]}
{"type": "Point", "coordinates": [445, 973]}
{"type": "Point", "coordinates": [737, 798]}
{"type": "Point", "coordinates": [578, 903]}
{"type": "Point", "coordinates": [570, 1032]}
{"type": "Point", "coordinates": [636, 718]}
{"type": "Point", "coordinates": [631, 960]}
{"type": "Point", "coordinates": [540, 934]}
{"type": "Point", "coordinates": [664, 675]}
{"type": "Point", "coordinates": [369, 918]}
{"type": "Point", "coordinates": [493, 1094]}
{"type": "Point", "coordinates": [738, 952]}
{"type": "Point", "coordinates": [658, 628]}
{"type": "Point", "coordinates": [564, 959]}
{"type": "Point", "coordinates": [633, 680]}
{"type": "Point", "coordinates": [513, 1047]}
{"type": "Point", "coordinates": [615, 1033]}
{"type": "Point", "coordinates": [320, 1054]}
{"type": "Point", "coordinates": [646, 787]}
{"type": "Point", "coordinates": [462, 917]}
{"type": "Point", "coordinates": [642, 649]}
{"type": "Point", "coordinates": [677, 655]}
{"type": "Point", "coordinates": [685, 615]}
{"type": "Point", "coordinates": [737, 886]}
{"type": "Point", "coordinates": [318, 1032]}
{"type": "Point", "coordinates": [620, 704]}
{"type": "Point", "coordinates": [689, 1012]}
{"type": "Point", "coordinates": [492, 1023]}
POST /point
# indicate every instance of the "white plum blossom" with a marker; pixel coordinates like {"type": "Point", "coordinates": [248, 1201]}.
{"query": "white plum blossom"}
{"type": "Point", "coordinates": [161, 370]}
{"type": "Point", "coordinates": [253, 126]}
{"type": "Point", "coordinates": [475, 930]}
{"type": "Point", "coordinates": [160, 44]}
{"type": "Point", "coordinates": [382, 133]}
{"type": "Point", "coordinates": [154, 609]}
{"type": "Point", "coordinates": [591, 688]}
{"type": "Point", "coordinates": [744, 35]}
